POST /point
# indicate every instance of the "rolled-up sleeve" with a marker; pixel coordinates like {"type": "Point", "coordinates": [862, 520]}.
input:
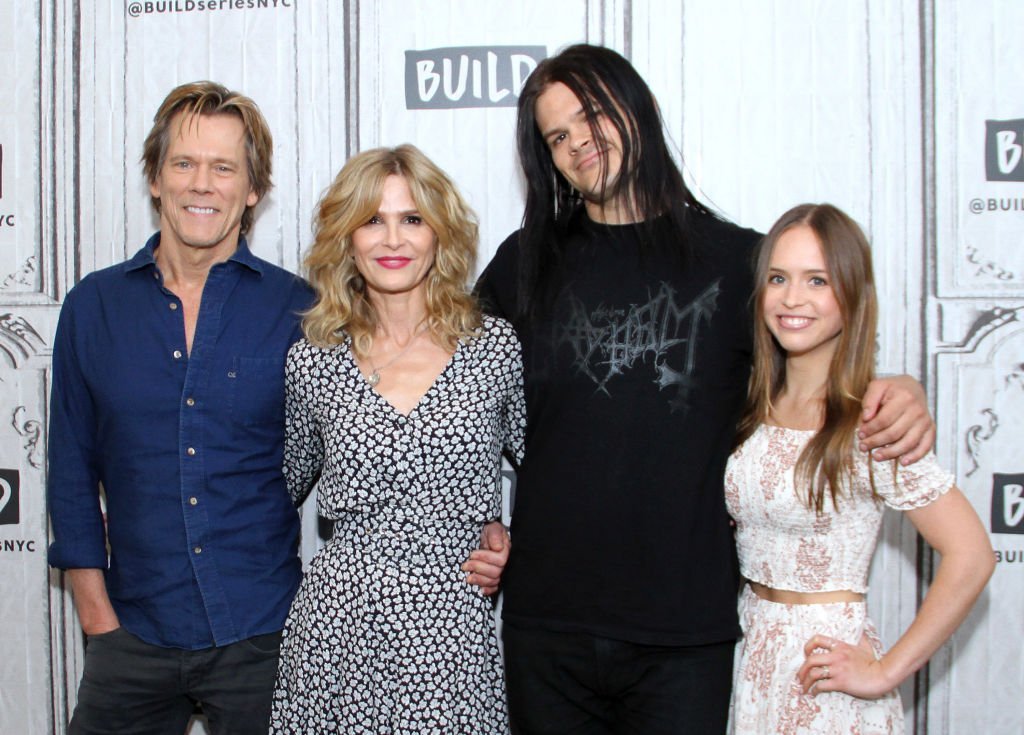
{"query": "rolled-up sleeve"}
{"type": "Point", "coordinates": [72, 477]}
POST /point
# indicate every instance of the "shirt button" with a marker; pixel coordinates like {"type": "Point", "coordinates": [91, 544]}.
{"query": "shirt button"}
{"type": "Point", "coordinates": [190, 401]}
{"type": "Point", "coordinates": [198, 550]}
{"type": "Point", "coordinates": [173, 306]}
{"type": "Point", "coordinates": [190, 451]}
{"type": "Point", "coordinates": [193, 501]}
{"type": "Point", "coordinates": [177, 354]}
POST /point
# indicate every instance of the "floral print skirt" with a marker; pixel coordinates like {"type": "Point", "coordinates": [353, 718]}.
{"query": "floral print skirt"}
{"type": "Point", "coordinates": [766, 696]}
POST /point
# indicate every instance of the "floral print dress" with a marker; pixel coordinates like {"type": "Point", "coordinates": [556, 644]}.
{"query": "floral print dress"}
{"type": "Point", "coordinates": [785, 545]}
{"type": "Point", "coordinates": [385, 635]}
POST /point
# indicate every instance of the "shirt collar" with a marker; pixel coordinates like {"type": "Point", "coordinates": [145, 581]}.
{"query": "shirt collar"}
{"type": "Point", "coordinates": [144, 258]}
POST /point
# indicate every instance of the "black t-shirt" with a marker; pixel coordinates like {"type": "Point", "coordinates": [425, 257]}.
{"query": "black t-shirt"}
{"type": "Point", "coordinates": [634, 383]}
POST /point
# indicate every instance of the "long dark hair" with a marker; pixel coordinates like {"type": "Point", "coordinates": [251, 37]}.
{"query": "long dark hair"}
{"type": "Point", "coordinates": [606, 84]}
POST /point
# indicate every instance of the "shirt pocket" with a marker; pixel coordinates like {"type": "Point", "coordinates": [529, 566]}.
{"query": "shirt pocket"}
{"type": "Point", "coordinates": [256, 390]}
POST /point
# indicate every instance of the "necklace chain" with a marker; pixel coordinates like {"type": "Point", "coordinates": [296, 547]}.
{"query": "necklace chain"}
{"type": "Point", "coordinates": [374, 377]}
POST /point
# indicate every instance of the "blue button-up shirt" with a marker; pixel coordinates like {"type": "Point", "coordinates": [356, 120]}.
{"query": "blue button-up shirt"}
{"type": "Point", "coordinates": [203, 538]}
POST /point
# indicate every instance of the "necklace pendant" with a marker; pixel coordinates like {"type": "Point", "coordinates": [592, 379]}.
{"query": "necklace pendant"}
{"type": "Point", "coordinates": [373, 378]}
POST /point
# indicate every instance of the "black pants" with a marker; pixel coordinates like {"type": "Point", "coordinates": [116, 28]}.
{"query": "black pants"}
{"type": "Point", "coordinates": [578, 684]}
{"type": "Point", "coordinates": [134, 688]}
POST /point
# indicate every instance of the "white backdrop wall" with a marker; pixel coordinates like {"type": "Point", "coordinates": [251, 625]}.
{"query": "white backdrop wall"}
{"type": "Point", "coordinates": [906, 114]}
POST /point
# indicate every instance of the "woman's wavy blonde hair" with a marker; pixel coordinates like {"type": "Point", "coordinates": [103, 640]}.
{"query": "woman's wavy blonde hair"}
{"type": "Point", "coordinates": [825, 465]}
{"type": "Point", "coordinates": [342, 305]}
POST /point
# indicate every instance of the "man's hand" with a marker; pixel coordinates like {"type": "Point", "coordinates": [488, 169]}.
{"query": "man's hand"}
{"type": "Point", "coordinates": [485, 565]}
{"type": "Point", "coordinates": [896, 422]}
{"type": "Point", "coordinates": [95, 612]}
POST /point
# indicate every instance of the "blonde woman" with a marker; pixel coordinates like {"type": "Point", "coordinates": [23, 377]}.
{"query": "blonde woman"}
{"type": "Point", "coordinates": [400, 400]}
{"type": "Point", "coordinates": [808, 505]}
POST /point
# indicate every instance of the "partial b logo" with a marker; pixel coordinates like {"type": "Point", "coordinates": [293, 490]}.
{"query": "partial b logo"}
{"type": "Point", "coordinates": [1004, 145]}
{"type": "Point", "coordinates": [10, 509]}
{"type": "Point", "coordinates": [1007, 503]}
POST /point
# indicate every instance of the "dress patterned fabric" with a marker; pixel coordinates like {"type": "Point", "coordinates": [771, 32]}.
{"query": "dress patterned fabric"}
{"type": "Point", "coordinates": [385, 635]}
{"type": "Point", "coordinates": [768, 698]}
{"type": "Point", "coordinates": [785, 545]}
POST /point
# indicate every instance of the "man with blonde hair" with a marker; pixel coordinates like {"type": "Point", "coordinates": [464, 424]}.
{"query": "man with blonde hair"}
{"type": "Point", "coordinates": [168, 392]}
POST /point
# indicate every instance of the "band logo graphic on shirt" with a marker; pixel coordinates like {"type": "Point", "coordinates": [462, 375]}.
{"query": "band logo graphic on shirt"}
{"type": "Point", "coordinates": [608, 342]}
{"type": "Point", "coordinates": [10, 506]}
{"type": "Point", "coordinates": [468, 76]}
{"type": "Point", "coordinates": [1004, 145]}
{"type": "Point", "coordinates": [1007, 503]}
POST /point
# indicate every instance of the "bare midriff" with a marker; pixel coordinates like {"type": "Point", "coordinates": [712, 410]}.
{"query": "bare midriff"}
{"type": "Point", "coordinates": [789, 597]}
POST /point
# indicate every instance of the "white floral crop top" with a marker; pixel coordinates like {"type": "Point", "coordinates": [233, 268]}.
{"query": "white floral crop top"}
{"type": "Point", "coordinates": [786, 545]}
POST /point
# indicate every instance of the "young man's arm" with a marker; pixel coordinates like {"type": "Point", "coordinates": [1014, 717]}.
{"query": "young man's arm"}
{"type": "Point", "coordinates": [896, 421]}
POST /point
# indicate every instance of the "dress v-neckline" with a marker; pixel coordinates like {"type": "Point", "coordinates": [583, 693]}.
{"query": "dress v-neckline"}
{"type": "Point", "coordinates": [434, 384]}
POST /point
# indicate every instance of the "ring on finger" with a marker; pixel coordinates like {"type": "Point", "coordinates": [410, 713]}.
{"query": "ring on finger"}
{"type": "Point", "coordinates": [825, 673]}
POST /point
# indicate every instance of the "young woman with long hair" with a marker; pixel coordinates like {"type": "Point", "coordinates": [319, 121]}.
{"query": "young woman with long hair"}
{"type": "Point", "coordinates": [808, 505]}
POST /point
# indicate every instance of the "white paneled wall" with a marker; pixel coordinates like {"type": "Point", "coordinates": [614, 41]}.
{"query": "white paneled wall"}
{"type": "Point", "coordinates": [889, 109]}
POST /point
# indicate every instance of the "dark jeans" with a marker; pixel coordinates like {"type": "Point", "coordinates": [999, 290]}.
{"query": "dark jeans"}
{"type": "Point", "coordinates": [134, 688]}
{"type": "Point", "coordinates": [578, 684]}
